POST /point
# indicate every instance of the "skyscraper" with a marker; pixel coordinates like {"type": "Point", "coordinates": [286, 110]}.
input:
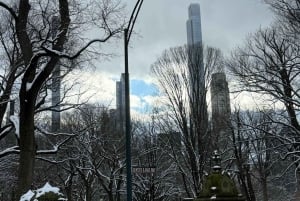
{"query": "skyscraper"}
{"type": "Point", "coordinates": [198, 122]}
{"type": "Point", "coordinates": [193, 25]}
{"type": "Point", "coordinates": [56, 83]}
{"type": "Point", "coordinates": [220, 105]}
{"type": "Point", "coordinates": [120, 103]}
{"type": "Point", "coordinates": [195, 54]}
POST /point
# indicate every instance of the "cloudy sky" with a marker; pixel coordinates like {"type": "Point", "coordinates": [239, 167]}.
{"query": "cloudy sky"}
{"type": "Point", "coordinates": [161, 25]}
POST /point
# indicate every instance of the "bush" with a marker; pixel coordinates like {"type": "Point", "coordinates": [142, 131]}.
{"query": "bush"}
{"type": "Point", "coordinates": [46, 193]}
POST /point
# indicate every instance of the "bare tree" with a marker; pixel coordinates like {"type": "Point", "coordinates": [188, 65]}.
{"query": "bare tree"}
{"type": "Point", "coordinates": [180, 72]}
{"type": "Point", "coordinates": [101, 160]}
{"type": "Point", "coordinates": [258, 147]}
{"type": "Point", "coordinates": [155, 176]}
{"type": "Point", "coordinates": [288, 14]}
{"type": "Point", "coordinates": [269, 65]}
{"type": "Point", "coordinates": [40, 54]}
{"type": "Point", "coordinates": [241, 155]}
{"type": "Point", "coordinates": [11, 69]}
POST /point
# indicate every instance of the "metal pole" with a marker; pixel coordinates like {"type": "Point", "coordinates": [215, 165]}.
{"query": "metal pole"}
{"type": "Point", "coordinates": [127, 120]}
{"type": "Point", "coordinates": [127, 34]}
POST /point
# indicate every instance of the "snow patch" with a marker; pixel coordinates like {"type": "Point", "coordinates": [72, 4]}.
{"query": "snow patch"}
{"type": "Point", "coordinates": [27, 196]}
{"type": "Point", "coordinates": [56, 52]}
{"type": "Point", "coordinates": [216, 167]}
{"type": "Point", "coordinates": [40, 192]}
{"type": "Point", "coordinates": [28, 86]}
{"type": "Point", "coordinates": [47, 188]}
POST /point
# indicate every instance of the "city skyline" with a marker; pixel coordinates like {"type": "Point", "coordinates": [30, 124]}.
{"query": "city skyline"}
{"type": "Point", "coordinates": [225, 25]}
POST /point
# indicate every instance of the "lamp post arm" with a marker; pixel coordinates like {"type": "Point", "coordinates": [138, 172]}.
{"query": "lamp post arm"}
{"type": "Point", "coordinates": [133, 18]}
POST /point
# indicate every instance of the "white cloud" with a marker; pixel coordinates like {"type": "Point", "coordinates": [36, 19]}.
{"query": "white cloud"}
{"type": "Point", "coordinates": [225, 25]}
{"type": "Point", "coordinates": [253, 101]}
{"type": "Point", "coordinates": [152, 100]}
{"type": "Point", "coordinates": [97, 87]}
{"type": "Point", "coordinates": [136, 101]}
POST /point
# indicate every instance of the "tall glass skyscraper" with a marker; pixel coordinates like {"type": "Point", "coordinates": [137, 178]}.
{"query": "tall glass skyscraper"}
{"type": "Point", "coordinates": [120, 103]}
{"type": "Point", "coordinates": [196, 75]}
{"type": "Point", "coordinates": [193, 25]}
{"type": "Point", "coordinates": [195, 51]}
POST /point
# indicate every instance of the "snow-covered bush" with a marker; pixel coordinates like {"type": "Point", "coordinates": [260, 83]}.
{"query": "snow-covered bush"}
{"type": "Point", "coordinates": [46, 193]}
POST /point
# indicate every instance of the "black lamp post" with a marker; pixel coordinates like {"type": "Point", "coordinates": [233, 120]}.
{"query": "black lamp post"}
{"type": "Point", "coordinates": [127, 34]}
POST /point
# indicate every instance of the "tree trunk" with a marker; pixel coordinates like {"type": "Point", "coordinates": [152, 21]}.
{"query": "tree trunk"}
{"type": "Point", "coordinates": [297, 193]}
{"type": "Point", "coordinates": [27, 145]}
{"type": "Point", "coordinates": [250, 187]}
{"type": "Point", "coordinates": [69, 193]}
{"type": "Point", "coordinates": [69, 188]}
{"type": "Point", "coordinates": [265, 189]}
{"type": "Point", "coordinates": [88, 194]}
{"type": "Point", "coordinates": [110, 196]}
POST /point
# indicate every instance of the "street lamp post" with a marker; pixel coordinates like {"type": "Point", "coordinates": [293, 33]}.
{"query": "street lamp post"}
{"type": "Point", "coordinates": [127, 34]}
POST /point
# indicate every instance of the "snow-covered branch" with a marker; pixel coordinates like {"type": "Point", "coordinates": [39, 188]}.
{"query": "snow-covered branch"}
{"type": "Point", "coordinates": [10, 150]}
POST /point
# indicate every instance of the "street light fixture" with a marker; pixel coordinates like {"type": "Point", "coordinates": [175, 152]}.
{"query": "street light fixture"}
{"type": "Point", "coordinates": [127, 35]}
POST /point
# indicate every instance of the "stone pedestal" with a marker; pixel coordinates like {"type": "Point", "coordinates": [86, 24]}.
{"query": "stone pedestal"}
{"type": "Point", "coordinates": [218, 185]}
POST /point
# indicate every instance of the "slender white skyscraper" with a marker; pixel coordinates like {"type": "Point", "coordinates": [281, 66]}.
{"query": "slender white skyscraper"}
{"type": "Point", "coordinates": [195, 51]}
{"type": "Point", "coordinates": [193, 25]}
{"type": "Point", "coordinates": [196, 76]}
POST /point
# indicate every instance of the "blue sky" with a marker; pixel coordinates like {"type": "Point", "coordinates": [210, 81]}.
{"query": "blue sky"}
{"type": "Point", "coordinates": [142, 95]}
{"type": "Point", "coordinates": [142, 88]}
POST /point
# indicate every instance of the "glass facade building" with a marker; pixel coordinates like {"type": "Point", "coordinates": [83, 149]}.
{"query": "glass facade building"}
{"type": "Point", "coordinates": [193, 25]}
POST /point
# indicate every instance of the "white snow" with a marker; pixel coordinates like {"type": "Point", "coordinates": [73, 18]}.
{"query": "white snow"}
{"type": "Point", "coordinates": [27, 196]}
{"type": "Point", "coordinates": [45, 189]}
{"type": "Point", "coordinates": [15, 120]}
{"type": "Point", "coordinates": [28, 86]}
{"type": "Point", "coordinates": [39, 192]}
{"type": "Point", "coordinates": [213, 188]}
{"type": "Point", "coordinates": [5, 130]}
{"type": "Point", "coordinates": [56, 52]}
{"type": "Point", "coordinates": [10, 150]}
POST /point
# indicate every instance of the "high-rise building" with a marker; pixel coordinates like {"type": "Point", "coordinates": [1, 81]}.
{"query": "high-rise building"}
{"type": "Point", "coordinates": [198, 122]}
{"type": "Point", "coordinates": [193, 25]}
{"type": "Point", "coordinates": [120, 103]}
{"type": "Point", "coordinates": [56, 84]}
{"type": "Point", "coordinates": [195, 51]}
{"type": "Point", "coordinates": [196, 73]}
{"type": "Point", "coordinates": [220, 103]}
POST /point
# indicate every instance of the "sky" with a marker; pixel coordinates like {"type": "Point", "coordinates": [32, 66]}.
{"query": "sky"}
{"type": "Point", "coordinates": [161, 25]}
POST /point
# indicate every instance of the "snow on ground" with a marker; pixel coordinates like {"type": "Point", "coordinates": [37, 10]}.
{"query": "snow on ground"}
{"type": "Point", "coordinates": [39, 192]}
